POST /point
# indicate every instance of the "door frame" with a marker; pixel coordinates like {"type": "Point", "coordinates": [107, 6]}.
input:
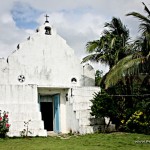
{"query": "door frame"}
{"type": "Point", "coordinates": [56, 106]}
{"type": "Point", "coordinates": [56, 110]}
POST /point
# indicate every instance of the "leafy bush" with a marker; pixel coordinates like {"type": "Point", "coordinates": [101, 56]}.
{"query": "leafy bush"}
{"type": "Point", "coordinates": [123, 111]}
{"type": "Point", "coordinates": [138, 123]}
{"type": "Point", "coordinates": [104, 105]}
{"type": "Point", "coordinates": [4, 125]}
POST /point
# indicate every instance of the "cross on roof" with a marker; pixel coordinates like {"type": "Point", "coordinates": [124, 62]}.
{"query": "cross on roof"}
{"type": "Point", "coordinates": [46, 18]}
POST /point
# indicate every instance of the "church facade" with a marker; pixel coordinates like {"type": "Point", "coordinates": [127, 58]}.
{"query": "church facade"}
{"type": "Point", "coordinates": [43, 81]}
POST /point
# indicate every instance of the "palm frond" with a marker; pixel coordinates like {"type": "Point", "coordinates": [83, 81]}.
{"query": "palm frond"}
{"type": "Point", "coordinates": [108, 47]}
{"type": "Point", "coordinates": [145, 28]}
{"type": "Point", "coordinates": [96, 57]}
{"type": "Point", "coordinates": [92, 46]}
{"type": "Point", "coordinates": [148, 56]}
{"type": "Point", "coordinates": [106, 32]}
{"type": "Point", "coordinates": [139, 16]}
{"type": "Point", "coordinates": [146, 9]}
{"type": "Point", "coordinates": [113, 40]}
{"type": "Point", "coordinates": [126, 66]}
{"type": "Point", "coordinates": [88, 58]}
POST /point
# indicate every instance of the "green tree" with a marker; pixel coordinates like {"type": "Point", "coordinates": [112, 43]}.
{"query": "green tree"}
{"type": "Point", "coordinates": [128, 80]}
{"type": "Point", "coordinates": [138, 63]}
{"type": "Point", "coordinates": [112, 45]}
{"type": "Point", "coordinates": [143, 43]}
{"type": "Point", "coordinates": [110, 49]}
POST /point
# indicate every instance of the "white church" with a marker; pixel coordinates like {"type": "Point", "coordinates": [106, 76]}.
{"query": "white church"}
{"type": "Point", "coordinates": [43, 81]}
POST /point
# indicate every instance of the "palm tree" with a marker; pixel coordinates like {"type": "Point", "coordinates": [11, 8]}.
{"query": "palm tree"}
{"type": "Point", "coordinates": [112, 45]}
{"type": "Point", "coordinates": [144, 27]}
{"type": "Point", "coordinates": [137, 63]}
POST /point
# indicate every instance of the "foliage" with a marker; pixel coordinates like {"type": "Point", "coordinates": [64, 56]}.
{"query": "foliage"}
{"type": "Point", "coordinates": [115, 104]}
{"type": "Point", "coordinates": [4, 125]}
{"type": "Point", "coordinates": [144, 27]}
{"type": "Point", "coordinates": [126, 67]}
{"type": "Point", "coordinates": [138, 63]}
{"type": "Point", "coordinates": [112, 45]}
{"type": "Point", "coordinates": [138, 123]}
{"type": "Point", "coordinates": [25, 132]}
{"type": "Point", "coordinates": [103, 105]}
{"type": "Point", "coordinates": [126, 85]}
{"type": "Point", "coordinates": [106, 104]}
{"type": "Point", "coordinates": [98, 77]}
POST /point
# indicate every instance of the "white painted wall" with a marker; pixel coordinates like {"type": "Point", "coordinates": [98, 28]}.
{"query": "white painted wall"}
{"type": "Point", "coordinates": [21, 103]}
{"type": "Point", "coordinates": [78, 109]}
{"type": "Point", "coordinates": [45, 60]}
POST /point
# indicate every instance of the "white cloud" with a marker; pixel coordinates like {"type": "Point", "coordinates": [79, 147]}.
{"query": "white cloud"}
{"type": "Point", "coordinates": [76, 21]}
{"type": "Point", "coordinates": [10, 35]}
{"type": "Point", "coordinates": [77, 32]}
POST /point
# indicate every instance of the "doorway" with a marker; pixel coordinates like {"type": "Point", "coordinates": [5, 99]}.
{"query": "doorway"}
{"type": "Point", "coordinates": [50, 110]}
{"type": "Point", "coordinates": [47, 115]}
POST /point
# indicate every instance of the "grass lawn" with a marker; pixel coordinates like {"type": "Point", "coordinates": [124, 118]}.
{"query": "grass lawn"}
{"type": "Point", "coordinates": [113, 141]}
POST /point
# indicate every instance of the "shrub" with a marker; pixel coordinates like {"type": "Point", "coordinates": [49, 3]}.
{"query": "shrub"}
{"type": "Point", "coordinates": [138, 123]}
{"type": "Point", "coordinates": [4, 125]}
{"type": "Point", "coordinates": [104, 105]}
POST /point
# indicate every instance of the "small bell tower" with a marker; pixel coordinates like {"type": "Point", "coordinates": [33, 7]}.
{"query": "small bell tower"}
{"type": "Point", "coordinates": [47, 27]}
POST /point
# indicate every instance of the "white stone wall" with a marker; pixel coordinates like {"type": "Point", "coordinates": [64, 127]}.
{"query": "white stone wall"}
{"type": "Point", "coordinates": [3, 71]}
{"type": "Point", "coordinates": [45, 60]}
{"type": "Point", "coordinates": [88, 75]}
{"type": "Point", "coordinates": [78, 109]}
{"type": "Point", "coordinates": [21, 104]}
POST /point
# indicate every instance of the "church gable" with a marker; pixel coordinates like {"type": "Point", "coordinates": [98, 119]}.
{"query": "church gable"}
{"type": "Point", "coordinates": [45, 59]}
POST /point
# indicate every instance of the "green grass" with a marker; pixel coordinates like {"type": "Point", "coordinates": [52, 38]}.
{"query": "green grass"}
{"type": "Point", "coordinates": [113, 141]}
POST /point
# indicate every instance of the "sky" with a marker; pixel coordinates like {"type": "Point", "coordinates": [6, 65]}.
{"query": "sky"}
{"type": "Point", "coordinates": [77, 21]}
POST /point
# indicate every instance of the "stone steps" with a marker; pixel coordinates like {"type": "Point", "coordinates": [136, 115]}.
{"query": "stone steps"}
{"type": "Point", "coordinates": [90, 121]}
{"type": "Point", "coordinates": [24, 116]}
{"type": "Point", "coordinates": [35, 132]}
{"type": "Point", "coordinates": [88, 129]}
{"type": "Point", "coordinates": [82, 106]}
{"type": "Point", "coordinates": [19, 125]}
{"type": "Point", "coordinates": [87, 123]}
{"type": "Point", "coordinates": [83, 113]}
{"type": "Point", "coordinates": [20, 108]}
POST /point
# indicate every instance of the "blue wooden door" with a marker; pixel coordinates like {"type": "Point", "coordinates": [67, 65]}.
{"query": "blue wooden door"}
{"type": "Point", "coordinates": [56, 113]}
